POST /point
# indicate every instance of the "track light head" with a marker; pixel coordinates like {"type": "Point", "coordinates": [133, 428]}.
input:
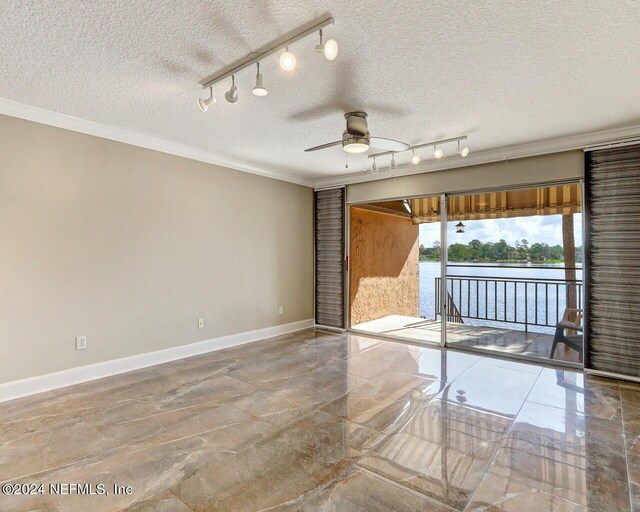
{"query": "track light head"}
{"type": "Point", "coordinates": [374, 167]}
{"type": "Point", "coordinates": [464, 151]}
{"type": "Point", "coordinates": [259, 89]}
{"type": "Point", "coordinates": [415, 158]}
{"type": "Point", "coordinates": [437, 152]}
{"type": "Point", "coordinates": [232, 94]}
{"type": "Point", "coordinates": [329, 49]}
{"type": "Point", "coordinates": [205, 103]}
{"type": "Point", "coordinates": [288, 60]}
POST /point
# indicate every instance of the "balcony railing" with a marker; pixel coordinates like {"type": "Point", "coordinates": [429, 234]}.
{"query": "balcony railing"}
{"type": "Point", "coordinates": [524, 301]}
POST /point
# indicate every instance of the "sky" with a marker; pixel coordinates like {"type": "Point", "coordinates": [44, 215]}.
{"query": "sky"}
{"type": "Point", "coordinates": [540, 228]}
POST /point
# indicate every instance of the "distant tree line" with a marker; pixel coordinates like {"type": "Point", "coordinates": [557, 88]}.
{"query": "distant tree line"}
{"type": "Point", "coordinates": [499, 251]}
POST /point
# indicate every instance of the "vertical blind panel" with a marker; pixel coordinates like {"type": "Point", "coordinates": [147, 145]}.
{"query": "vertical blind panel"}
{"type": "Point", "coordinates": [613, 259]}
{"type": "Point", "coordinates": [329, 233]}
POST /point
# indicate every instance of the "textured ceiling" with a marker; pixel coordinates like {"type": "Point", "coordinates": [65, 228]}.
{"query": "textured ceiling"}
{"type": "Point", "coordinates": [505, 72]}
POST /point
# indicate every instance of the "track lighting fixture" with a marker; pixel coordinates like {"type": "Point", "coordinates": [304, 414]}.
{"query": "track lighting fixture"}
{"type": "Point", "coordinates": [329, 49]}
{"type": "Point", "coordinates": [374, 167]}
{"type": "Point", "coordinates": [287, 60]}
{"type": "Point", "coordinates": [232, 94]}
{"type": "Point", "coordinates": [205, 103]}
{"type": "Point", "coordinates": [464, 151]}
{"type": "Point", "coordinates": [393, 165]}
{"type": "Point", "coordinates": [259, 89]}
{"type": "Point", "coordinates": [415, 158]}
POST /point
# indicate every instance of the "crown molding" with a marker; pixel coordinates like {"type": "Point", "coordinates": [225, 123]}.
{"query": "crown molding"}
{"type": "Point", "coordinates": [542, 147]}
{"type": "Point", "coordinates": [48, 117]}
{"type": "Point", "coordinates": [572, 142]}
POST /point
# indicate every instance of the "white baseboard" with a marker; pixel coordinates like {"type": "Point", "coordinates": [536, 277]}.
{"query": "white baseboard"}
{"type": "Point", "coordinates": [41, 383]}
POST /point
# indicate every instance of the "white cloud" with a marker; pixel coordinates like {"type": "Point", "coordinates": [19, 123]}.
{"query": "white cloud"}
{"type": "Point", "coordinates": [540, 228]}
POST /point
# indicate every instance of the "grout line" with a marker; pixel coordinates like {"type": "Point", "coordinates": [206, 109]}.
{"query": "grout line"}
{"type": "Point", "coordinates": [626, 454]}
{"type": "Point", "coordinates": [400, 485]}
{"type": "Point", "coordinates": [178, 498]}
{"type": "Point", "coordinates": [540, 491]}
{"type": "Point", "coordinates": [504, 437]}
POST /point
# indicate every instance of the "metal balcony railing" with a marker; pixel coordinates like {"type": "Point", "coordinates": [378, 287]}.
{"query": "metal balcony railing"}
{"type": "Point", "coordinates": [513, 300]}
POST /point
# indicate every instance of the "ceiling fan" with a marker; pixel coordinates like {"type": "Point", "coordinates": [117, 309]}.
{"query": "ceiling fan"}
{"type": "Point", "coordinates": [356, 138]}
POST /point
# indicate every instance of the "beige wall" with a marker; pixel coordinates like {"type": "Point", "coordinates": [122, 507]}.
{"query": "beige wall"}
{"type": "Point", "coordinates": [535, 170]}
{"type": "Point", "coordinates": [383, 266]}
{"type": "Point", "coordinates": [130, 247]}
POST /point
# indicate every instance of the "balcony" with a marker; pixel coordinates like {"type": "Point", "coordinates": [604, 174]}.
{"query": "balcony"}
{"type": "Point", "coordinates": [512, 315]}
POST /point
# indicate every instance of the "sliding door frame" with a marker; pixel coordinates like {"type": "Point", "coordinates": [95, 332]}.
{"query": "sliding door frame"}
{"type": "Point", "coordinates": [443, 274]}
{"type": "Point", "coordinates": [444, 261]}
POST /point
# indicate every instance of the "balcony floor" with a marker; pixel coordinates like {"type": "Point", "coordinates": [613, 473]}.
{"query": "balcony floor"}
{"type": "Point", "coordinates": [493, 339]}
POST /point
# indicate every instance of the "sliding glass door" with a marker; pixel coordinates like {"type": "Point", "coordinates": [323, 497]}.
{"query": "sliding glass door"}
{"type": "Point", "coordinates": [514, 272]}
{"type": "Point", "coordinates": [497, 272]}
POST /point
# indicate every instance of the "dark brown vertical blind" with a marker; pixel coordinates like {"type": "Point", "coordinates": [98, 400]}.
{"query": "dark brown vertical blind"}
{"type": "Point", "coordinates": [613, 260]}
{"type": "Point", "coordinates": [329, 234]}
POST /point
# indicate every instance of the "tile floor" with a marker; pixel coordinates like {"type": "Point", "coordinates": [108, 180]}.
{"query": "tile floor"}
{"type": "Point", "coordinates": [466, 336]}
{"type": "Point", "coordinates": [324, 422]}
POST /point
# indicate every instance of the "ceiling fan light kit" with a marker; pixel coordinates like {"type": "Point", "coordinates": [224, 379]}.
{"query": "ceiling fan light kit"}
{"type": "Point", "coordinates": [287, 61]}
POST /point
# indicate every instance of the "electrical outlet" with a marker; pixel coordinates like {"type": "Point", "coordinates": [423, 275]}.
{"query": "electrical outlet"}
{"type": "Point", "coordinates": [200, 323]}
{"type": "Point", "coordinates": [281, 310]}
{"type": "Point", "coordinates": [81, 342]}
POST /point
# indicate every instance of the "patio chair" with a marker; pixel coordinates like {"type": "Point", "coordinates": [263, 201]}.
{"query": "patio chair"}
{"type": "Point", "coordinates": [574, 341]}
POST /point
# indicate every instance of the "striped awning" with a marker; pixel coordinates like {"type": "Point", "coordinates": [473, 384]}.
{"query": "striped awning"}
{"type": "Point", "coordinates": [554, 200]}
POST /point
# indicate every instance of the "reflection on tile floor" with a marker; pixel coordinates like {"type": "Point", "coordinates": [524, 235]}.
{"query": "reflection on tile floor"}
{"type": "Point", "coordinates": [467, 335]}
{"type": "Point", "coordinates": [315, 421]}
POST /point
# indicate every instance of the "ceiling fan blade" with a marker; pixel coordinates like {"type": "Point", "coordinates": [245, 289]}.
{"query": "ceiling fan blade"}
{"type": "Point", "coordinates": [388, 144]}
{"type": "Point", "coordinates": [323, 146]}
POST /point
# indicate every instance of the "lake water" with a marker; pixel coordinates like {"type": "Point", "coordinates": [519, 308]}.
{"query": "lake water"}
{"type": "Point", "coordinates": [546, 304]}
